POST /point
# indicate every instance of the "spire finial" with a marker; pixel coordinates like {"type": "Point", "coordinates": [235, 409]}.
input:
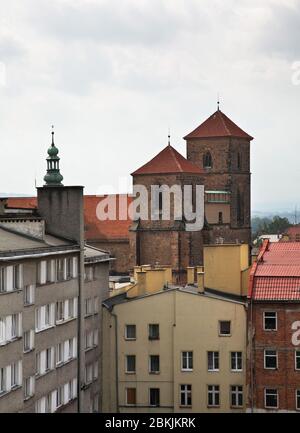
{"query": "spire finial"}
{"type": "Point", "coordinates": [218, 102]}
{"type": "Point", "coordinates": [169, 137]}
{"type": "Point", "coordinates": [52, 133]}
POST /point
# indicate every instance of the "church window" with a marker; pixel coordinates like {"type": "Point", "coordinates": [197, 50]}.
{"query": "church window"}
{"type": "Point", "coordinates": [207, 160]}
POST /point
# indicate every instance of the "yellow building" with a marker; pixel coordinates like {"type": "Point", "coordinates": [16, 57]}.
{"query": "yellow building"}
{"type": "Point", "coordinates": [178, 349]}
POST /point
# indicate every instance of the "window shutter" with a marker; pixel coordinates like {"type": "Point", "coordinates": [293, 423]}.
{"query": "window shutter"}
{"type": "Point", "coordinates": [8, 378]}
{"type": "Point", "coordinates": [75, 307]}
{"type": "Point", "coordinates": [53, 401]}
{"type": "Point", "coordinates": [42, 362]}
{"type": "Point", "coordinates": [66, 393]}
{"type": "Point", "coordinates": [9, 278]}
{"type": "Point", "coordinates": [66, 309]}
{"type": "Point", "coordinates": [8, 326]}
{"type": "Point", "coordinates": [74, 347]}
{"type": "Point", "coordinates": [75, 267]}
{"type": "Point", "coordinates": [20, 277]}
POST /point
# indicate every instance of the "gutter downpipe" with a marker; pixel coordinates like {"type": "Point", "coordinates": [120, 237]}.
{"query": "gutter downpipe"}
{"type": "Point", "coordinates": [117, 360]}
{"type": "Point", "coordinates": [251, 354]}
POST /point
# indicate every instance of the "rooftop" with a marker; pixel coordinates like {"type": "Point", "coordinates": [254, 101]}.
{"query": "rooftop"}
{"type": "Point", "coordinates": [168, 161]}
{"type": "Point", "coordinates": [276, 273]}
{"type": "Point", "coordinates": [218, 125]}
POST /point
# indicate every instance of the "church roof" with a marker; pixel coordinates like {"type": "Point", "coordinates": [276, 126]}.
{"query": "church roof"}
{"type": "Point", "coordinates": [218, 125]}
{"type": "Point", "coordinates": [168, 161]}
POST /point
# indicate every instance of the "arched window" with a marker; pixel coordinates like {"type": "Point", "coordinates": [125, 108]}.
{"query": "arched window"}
{"type": "Point", "coordinates": [207, 160]}
{"type": "Point", "coordinates": [239, 161]}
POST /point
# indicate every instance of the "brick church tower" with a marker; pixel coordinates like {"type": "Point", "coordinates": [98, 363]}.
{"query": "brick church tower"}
{"type": "Point", "coordinates": [166, 242]}
{"type": "Point", "coordinates": [222, 150]}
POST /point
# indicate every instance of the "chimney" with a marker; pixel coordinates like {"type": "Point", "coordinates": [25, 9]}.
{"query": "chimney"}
{"type": "Point", "coordinates": [200, 281]}
{"type": "Point", "coordinates": [141, 283]}
{"type": "Point", "coordinates": [190, 275]}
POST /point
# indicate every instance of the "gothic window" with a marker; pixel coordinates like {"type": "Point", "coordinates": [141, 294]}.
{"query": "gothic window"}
{"type": "Point", "coordinates": [220, 217]}
{"type": "Point", "coordinates": [239, 161]}
{"type": "Point", "coordinates": [207, 160]}
{"type": "Point", "coordinates": [240, 208]}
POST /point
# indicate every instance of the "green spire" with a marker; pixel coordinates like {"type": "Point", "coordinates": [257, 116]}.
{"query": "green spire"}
{"type": "Point", "coordinates": [53, 176]}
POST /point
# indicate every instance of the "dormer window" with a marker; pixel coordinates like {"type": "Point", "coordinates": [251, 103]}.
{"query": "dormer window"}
{"type": "Point", "coordinates": [207, 160]}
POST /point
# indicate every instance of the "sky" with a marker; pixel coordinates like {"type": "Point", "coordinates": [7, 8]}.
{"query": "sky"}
{"type": "Point", "coordinates": [113, 76]}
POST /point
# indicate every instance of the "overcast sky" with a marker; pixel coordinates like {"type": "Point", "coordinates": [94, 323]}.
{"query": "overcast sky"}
{"type": "Point", "coordinates": [113, 76]}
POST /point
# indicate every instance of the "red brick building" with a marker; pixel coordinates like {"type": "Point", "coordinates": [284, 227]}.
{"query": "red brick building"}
{"type": "Point", "coordinates": [273, 373]}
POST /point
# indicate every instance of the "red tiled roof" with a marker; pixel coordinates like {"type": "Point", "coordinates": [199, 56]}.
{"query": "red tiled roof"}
{"type": "Point", "coordinates": [276, 274]}
{"type": "Point", "coordinates": [94, 228]}
{"type": "Point", "coordinates": [168, 161]}
{"type": "Point", "coordinates": [218, 125]}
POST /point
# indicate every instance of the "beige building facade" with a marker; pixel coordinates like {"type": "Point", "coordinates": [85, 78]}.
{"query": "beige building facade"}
{"type": "Point", "coordinates": [176, 349]}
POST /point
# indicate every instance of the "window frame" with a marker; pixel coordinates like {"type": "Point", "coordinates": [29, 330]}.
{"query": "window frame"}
{"type": "Point", "coordinates": [220, 333]}
{"type": "Point", "coordinates": [236, 393]}
{"type": "Point", "coordinates": [213, 352]}
{"type": "Point", "coordinates": [297, 395]}
{"type": "Point", "coordinates": [269, 356]}
{"type": "Point", "coordinates": [154, 405]}
{"type": "Point", "coordinates": [214, 393]}
{"type": "Point", "coordinates": [155, 337]}
{"type": "Point", "coordinates": [297, 357]}
{"type": "Point", "coordinates": [236, 370]}
{"type": "Point", "coordinates": [133, 356]}
{"type": "Point", "coordinates": [187, 369]}
{"type": "Point", "coordinates": [276, 321]}
{"type": "Point", "coordinates": [150, 364]}
{"type": "Point", "coordinates": [186, 392]}
{"type": "Point", "coordinates": [265, 398]}
{"type": "Point", "coordinates": [125, 334]}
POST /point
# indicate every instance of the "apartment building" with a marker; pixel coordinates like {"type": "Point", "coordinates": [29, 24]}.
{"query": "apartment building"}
{"type": "Point", "coordinates": [51, 288]}
{"type": "Point", "coordinates": [174, 348]}
{"type": "Point", "coordinates": [273, 375]}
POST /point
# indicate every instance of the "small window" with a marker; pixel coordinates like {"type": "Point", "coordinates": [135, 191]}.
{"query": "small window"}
{"type": "Point", "coordinates": [131, 396]}
{"type": "Point", "coordinates": [130, 332]}
{"type": "Point", "coordinates": [298, 399]}
{"type": "Point", "coordinates": [28, 340]}
{"type": "Point", "coordinates": [236, 396]}
{"type": "Point", "coordinates": [29, 294]}
{"type": "Point", "coordinates": [236, 361]}
{"type": "Point", "coordinates": [213, 395]}
{"type": "Point", "coordinates": [270, 321]}
{"type": "Point", "coordinates": [29, 387]}
{"type": "Point", "coordinates": [207, 160]}
{"type": "Point", "coordinates": [130, 364]}
{"type": "Point", "coordinates": [220, 219]}
{"type": "Point", "coordinates": [153, 331]}
{"type": "Point", "coordinates": [154, 397]}
{"type": "Point", "coordinates": [185, 395]}
{"type": "Point", "coordinates": [187, 361]}
{"type": "Point", "coordinates": [154, 364]}
{"type": "Point", "coordinates": [224, 327]}
{"type": "Point", "coordinates": [271, 398]}
{"type": "Point", "coordinates": [270, 359]}
{"type": "Point", "coordinates": [213, 361]}
{"type": "Point", "coordinates": [297, 359]}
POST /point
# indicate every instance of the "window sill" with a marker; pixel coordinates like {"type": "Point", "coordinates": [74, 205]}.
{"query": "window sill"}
{"type": "Point", "coordinates": [37, 331]}
{"type": "Point", "coordinates": [38, 375]}
{"type": "Point", "coordinates": [62, 364]}
{"type": "Point", "coordinates": [62, 322]}
{"type": "Point", "coordinates": [154, 372]}
{"type": "Point", "coordinates": [10, 341]}
{"type": "Point", "coordinates": [29, 304]}
{"type": "Point", "coordinates": [187, 370]}
{"type": "Point", "coordinates": [13, 388]}
{"type": "Point", "coordinates": [213, 371]}
{"type": "Point", "coordinates": [185, 406]}
{"type": "Point", "coordinates": [11, 291]}
{"type": "Point", "coordinates": [130, 372]}
{"type": "Point", "coordinates": [236, 371]}
{"type": "Point", "coordinates": [237, 407]}
{"type": "Point", "coordinates": [224, 335]}
{"type": "Point", "coordinates": [213, 406]}
{"type": "Point", "coordinates": [88, 349]}
{"type": "Point", "coordinates": [130, 339]}
{"type": "Point", "coordinates": [28, 398]}
{"type": "Point", "coordinates": [28, 350]}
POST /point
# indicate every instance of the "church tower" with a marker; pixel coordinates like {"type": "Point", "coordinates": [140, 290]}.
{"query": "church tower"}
{"type": "Point", "coordinates": [166, 242]}
{"type": "Point", "coordinates": [222, 150]}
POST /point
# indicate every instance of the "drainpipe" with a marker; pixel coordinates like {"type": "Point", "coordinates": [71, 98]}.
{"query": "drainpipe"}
{"type": "Point", "coordinates": [117, 359]}
{"type": "Point", "coordinates": [251, 354]}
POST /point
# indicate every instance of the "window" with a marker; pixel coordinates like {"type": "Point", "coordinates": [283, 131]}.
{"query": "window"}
{"type": "Point", "coordinates": [91, 372]}
{"type": "Point", "coordinates": [15, 374]}
{"type": "Point", "coordinates": [271, 398]}
{"type": "Point", "coordinates": [44, 317]}
{"type": "Point", "coordinates": [95, 337]}
{"type": "Point", "coordinates": [59, 396]}
{"type": "Point", "coordinates": [131, 396]}
{"type": "Point", "coordinates": [88, 306]}
{"type": "Point", "coordinates": [59, 311]}
{"type": "Point", "coordinates": [68, 268]}
{"type": "Point", "coordinates": [213, 395]}
{"type": "Point", "coordinates": [130, 364]}
{"type": "Point", "coordinates": [297, 359]}
{"type": "Point", "coordinates": [185, 395]}
{"type": "Point", "coordinates": [236, 396]}
{"type": "Point", "coordinates": [45, 361]}
{"type": "Point", "coordinates": [154, 397]}
{"type": "Point", "coordinates": [59, 353]}
{"type": "Point", "coordinates": [11, 278]}
{"type": "Point", "coordinates": [15, 325]}
{"type": "Point", "coordinates": [88, 340]}
{"type": "Point", "coordinates": [236, 361]}
{"type": "Point", "coordinates": [10, 328]}
{"type": "Point", "coordinates": [213, 361]}
{"type": "Point", "coordinates": [89, 273]}
{"type": "Point", "coordinates": [51, 272]}
{"type": "Point", "coordinates": [96, 304]}
{"type": "Point", "coordinates": [29, 387]}
{"type": "Point", "coordinates": [2, 380]}
{"type": "Point", "coordinates": [270, 321]}
{"type": "Point", "coordinates": [154, 364]}
{"type": "Point", "coordinates": [220, 218]}
{"type": "Point", "coordinates": [239, 161]}
{"type": "Point", "coordinates": [75, 267]}
{"type": "Point", "coordinates": [153, 331]}
{"type": "Point", "coordinates": [130, 332]}
{"type": "Point", "coordinates": [298, 399]}
{"type": "Point", "coordinates": [95, 403]}
{"type": "Point", "coordinates": [270, 359]}
{"type": "Point", "coordinates": [42, 272]}
{"type": "Point", "coordinates": [60, 269]}
{"type": "Point", "coordinates": [186, 361]}
{"type": "Point", "coordinates": [224, 327]}
{"type": "Point", "coordinates": [207, 160]}
{"type": "Point", "coordinates": [29, 294]}
{"type": "Point", "coordinates": [28, 340]}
